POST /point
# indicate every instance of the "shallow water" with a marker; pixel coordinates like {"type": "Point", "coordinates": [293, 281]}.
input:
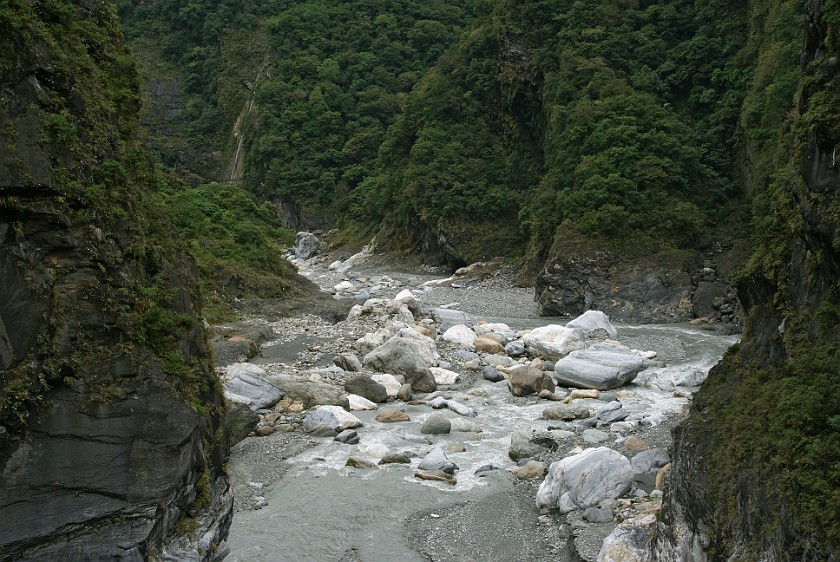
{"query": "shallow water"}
{"type": "Point", "coordinates": [321, 508]}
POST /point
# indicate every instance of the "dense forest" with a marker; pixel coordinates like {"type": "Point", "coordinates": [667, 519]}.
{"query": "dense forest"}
{"type": "Point", "coordinates": [454, 117]}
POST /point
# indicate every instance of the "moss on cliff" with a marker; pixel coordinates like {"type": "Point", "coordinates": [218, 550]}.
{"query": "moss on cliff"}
{"type": "Point", "coordinates": [99, 320]}
{"type": "Point", "coordinates": [764, 432]}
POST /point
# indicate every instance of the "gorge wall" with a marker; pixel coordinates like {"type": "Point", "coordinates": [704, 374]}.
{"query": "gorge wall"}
{"type": "Point", "coordinates": [755, 473]}
{"type": "Point", "coordinates": [112, 444]}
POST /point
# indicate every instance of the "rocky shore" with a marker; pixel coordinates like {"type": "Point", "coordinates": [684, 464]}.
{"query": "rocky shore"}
{"type": "Point", "coordinates": [453, 390]}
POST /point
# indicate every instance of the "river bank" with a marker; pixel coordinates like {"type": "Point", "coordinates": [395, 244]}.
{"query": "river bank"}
{"type": "Point", "coordinates": [297, 500]}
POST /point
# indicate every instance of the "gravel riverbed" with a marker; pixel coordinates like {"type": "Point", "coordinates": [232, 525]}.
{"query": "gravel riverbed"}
{"type": "Point", "coordinates": [296, 483]}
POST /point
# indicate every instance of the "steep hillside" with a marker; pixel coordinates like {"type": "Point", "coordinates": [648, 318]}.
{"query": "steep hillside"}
{"type": "Point", "coordinates": [756, 474]}
{"type": "Point", "coordinates": [111, 442]}
{"type": "Point", "coordinates": [290, 99]}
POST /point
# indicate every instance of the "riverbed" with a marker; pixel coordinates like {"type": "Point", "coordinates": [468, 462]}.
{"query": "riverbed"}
{"type": "Point", "coordinates": [313, 507]}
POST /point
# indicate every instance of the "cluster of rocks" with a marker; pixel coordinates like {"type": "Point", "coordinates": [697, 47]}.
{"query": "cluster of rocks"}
{"type": "Point", "coordinates": [437, 373]}
{"type": "Point", "coordinates": [715, 300]}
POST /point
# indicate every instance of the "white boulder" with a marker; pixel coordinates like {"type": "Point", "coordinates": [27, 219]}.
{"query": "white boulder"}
{"type": "Point", "coordinates": [444, 376]}
{"type": "Point", "coordinates": [461, 335]}
{"type": "Point", "coordinates": [553, 341]}
{"type": "Point", "coordinates": [592, 321]}
{"type": "Point", "coordinates": [585, 480]}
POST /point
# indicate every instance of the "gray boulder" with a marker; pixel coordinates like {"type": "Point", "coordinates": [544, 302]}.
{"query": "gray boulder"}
{"type": "Point", "coordinates": [348, 436]}
{"type": "Point", "coordinates": [612, 412]}
{"type": "Point", "coordinates": [525, 444]}
{"type": "Point", "coordinates": [652, 459]}
{"type": "Point", "coordinates": [460, 335]}
{"type": "Point", "coordinates": [457, 407]}
{"type": "Point", "coordinates": [448, 318]}
{"type": "Point", "coordinates": [251, 390]}
{"type": "Point", "coordinates": [435, 460]}
{"type": "Point", "coordinates": [310, 393]}
{"type": "Point", "coordinates": [594, 322]}
{"type": "Point", "coordinates": [515, 348]}
{"type": "Point", "coordinates": [689, 377]}
{"type": "Point", "coordinates": [367, 388]}
{"type": "Point", "coordinates": [573, 411]}
{"type": "Point", "coordinates": [348, 362]}
{"type": "Point", "coordinates": [585, 480]}
{"type": "Point", "coordinates": [491, 374]}
{"type": "Point", "coordinates": [598, 515]}
{"type": "Point", "coordinates": [334, 417]}
{"type": "Point", "coordinates": [436, 425]}
{"type": "Point", "coordinates": [399, 356]}
{"type": "Point", "coordinates": [602, 366]}
{"type": "Point", "coordinates": [306, 245]}
{"type": "Point", "coordinates": [524, 380]}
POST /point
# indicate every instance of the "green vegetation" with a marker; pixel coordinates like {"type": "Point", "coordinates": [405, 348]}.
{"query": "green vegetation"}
{"type": "Point", "coordinates": [771, 409]}
{"type": "Point", "coordinates": [238, 244]}
{"type": "Point", "coordinates": [611, 117]}
{"type": "Point", "coordinates": [133, 295]}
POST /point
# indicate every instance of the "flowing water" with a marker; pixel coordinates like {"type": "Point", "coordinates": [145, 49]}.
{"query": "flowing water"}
{"type": "Point", "coordinates": [321, 510]}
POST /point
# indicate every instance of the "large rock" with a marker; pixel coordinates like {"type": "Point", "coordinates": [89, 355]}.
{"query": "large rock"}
{"type": "Point", "coordinates": [631, 540]}
{"type": "Point", "coordinates": [436, 425]}
{"type": "Point", "coordinates": [573, 411]}
{"type": "Point", "coordinates": [368, 388]}
{"type": "Point", "coordinates": [444, 376]}
{"type": "Point", "coordinates": [460, 335]}
{"type": "Point", "coordinates": [371, 341]}
{"type": "Point", "coordinates": [336, 418]}
{"type": "Point", "coordinates": [553, 341]}
{"type": "Point", "coordinates": [390, 382]}
{"type": "Point", "coordinates": [426, 346]}
{"type": "Point", "coordinates": [348, 362]}
{"type": "Point", "coordinates": [487, 344]}
{"type": "Point", "coordinates": [585, 480]}
{"type": "Point", "coordinates": [593, 322]}
{"type": "Point", "coordinates": [602, 366]}
{"type": "Point", "coordinates": [434, 460]}
{"type": "Point", "coordinates": [358, 403]}
{"type": "Point", "coordinates": [448, 318]}
{"type": "Point", "coordinates": [525, 444]}
{"type": "Point", "coordinates": [251, 390]}
{"type": "Point", "coordinates": [399, 356]}
{"type": "Point", "coordinates": [524, 380]}
{"type": "Point", "coordinates": [310, 393]}
{"type": "Point", "coordinates": [306, 245]}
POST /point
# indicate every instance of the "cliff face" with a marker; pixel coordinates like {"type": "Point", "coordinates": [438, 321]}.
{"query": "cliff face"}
{"type": "Point", "coordinates": [111, 443]}
{"type": "Point", "coordinates": [755, 473]}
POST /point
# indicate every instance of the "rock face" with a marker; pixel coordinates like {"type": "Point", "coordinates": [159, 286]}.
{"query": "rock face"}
{"type": "Point", "coordinates": [110, 412]}
{"type": "Point", "coordinates": [585, 480]}
{"type": "Point", "coordinates": [741, 485]}
{"type": "Point", "coordinates": [633, 284]}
